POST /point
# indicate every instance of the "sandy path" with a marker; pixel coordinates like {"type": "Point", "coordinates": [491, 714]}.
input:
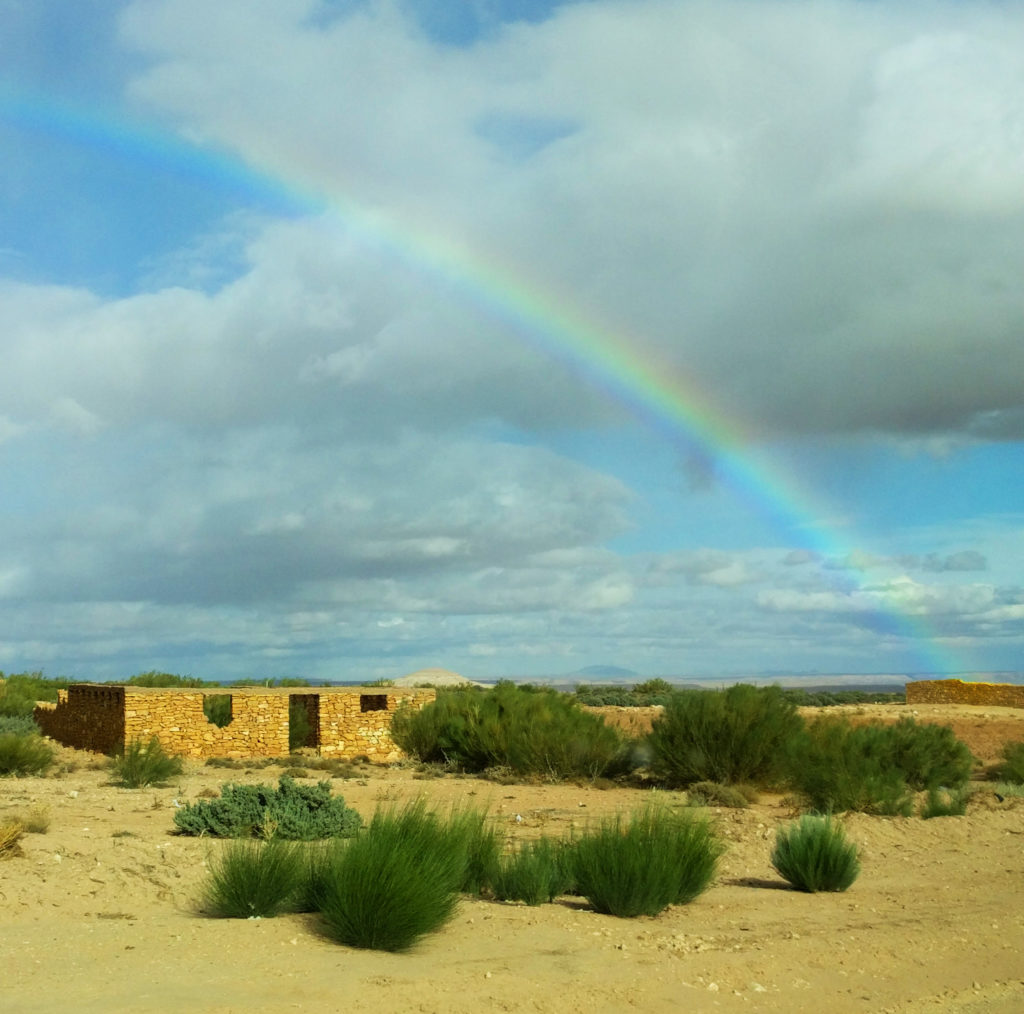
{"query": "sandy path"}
{"type": "Point", "coordinates": [99, 914]}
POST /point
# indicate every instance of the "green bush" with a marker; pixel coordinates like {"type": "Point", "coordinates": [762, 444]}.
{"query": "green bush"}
{"type": "Point", "coordinates": [928, 755]}
{"type": "Point", "coordinates": [945, 803]}
{"type": "Point", "coordinates": [734, 735]}
{"type": "Point", "coordinates": [20, 692]}
{"type": "Point", "coordinates": [642, 866]}
{"type": "Point", "coordinates": [1012, 767]}
{"type": "Point", "coordinates": [251, 879]}
{"type": "Point", "coordinates": [20, 725]}
{"type": "Point", "coordinates": [24, 754]}
{"type": "Point", "coordinates": [139, 764]}
{"type": "Point", "coordinates": [470, 833]}
{"type": "Point", "coordinates": [394, 883]}
{"type": "Point", "coordinates": [814, 855]}
{"type": "Point", "coordinates": [291, 811]}
{"type": "Point", "coordinates": [874, 768]}
{"type": "Point", "coordinates": [526, 730]}
{"type": "Point", "coordinates": [536, 872]}
{"type": "Point", "coordinates": [835, 766]}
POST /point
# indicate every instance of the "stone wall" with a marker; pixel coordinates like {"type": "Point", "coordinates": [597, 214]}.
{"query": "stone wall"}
{"type": "Point", "coordinates": [1005, 695]}
{"type": "Point", "coordinates": [343, 721]}
{"type": "Point", "coordinates": [87, 716]}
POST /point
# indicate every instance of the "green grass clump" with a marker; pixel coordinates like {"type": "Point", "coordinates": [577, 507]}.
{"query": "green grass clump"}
{"type": "Point", "coordinates": [251, 879]}
{"type": "Point", "coordinates": [643, 865]}
{"type": "Point", "coordinates": [291, 811]}
{"type": "Point", "coordinates": [394, 883]}
{"type": "Point", "coordinates": [20, 725]}
{"type": "Point", "coordinates": [1012, 767]}
{"type": "Point", "coordinates": [734, 735]}
{"type": "Point", "coordinates": [814, 855]}
{"type": "Point", "coordinates": [22, 754]}
{"type": "Point", "coordinates": [945, 803]}
{"type": "Point", "coordinates": [524, 730]}
{"type": "Point", "coordinates": [538, 871]}
{"type": "Point", "coordinates": [140, 764]}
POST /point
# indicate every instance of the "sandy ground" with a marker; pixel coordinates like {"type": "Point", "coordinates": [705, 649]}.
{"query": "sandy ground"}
{"type": "Point", "coordinates": [99, 913]}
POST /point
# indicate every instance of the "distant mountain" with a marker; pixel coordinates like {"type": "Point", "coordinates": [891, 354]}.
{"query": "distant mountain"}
{"type": "Point", "coordinates": [605, 672]}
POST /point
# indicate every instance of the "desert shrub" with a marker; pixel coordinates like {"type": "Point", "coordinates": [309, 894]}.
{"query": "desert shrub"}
{"type": "Point", "coordinates": [643, 865]}
{"type": "Point", "coordinates": [814, 855]}
{"type": "Point", "coordinates": [1009, 790]}
{"type": "Point", "coordinates": [19, 693]}
{"type": "Point", "coordinates": [20, 725]}
{"type": "Point", "coordinates": [10, 834]}
{"type": "Point", "coordinates": [526, 730]}
{"type": "Point", "coordinates": [945, 803]}
{"type": "Point", "coordinates": [734, 735]}
{"type": "Point", "coordinates": [394, 883]}
{"type": "Point", "coordinates": [139, 764]}
{"type": "Point", "coordinates": [24, 754]}
{"type": "Point", "coordinates": [835, 766]}
{"type": "Point", "coordinates": [255, 879]}
{"type": "Point", "coordinates": [291, 811]}
{"type": "Point", "coordinates": [716, 794]}
{"type": "Point", "coordinates": [927, 755]}
{"type": "Point", "coordinates": [536, 872]}
{"type": "Point", "coordinates": [835, 698]}
{"type": "Point", "coordinates": [35, 820]}
{"type": "Point", "coordinates": [1012, 767]}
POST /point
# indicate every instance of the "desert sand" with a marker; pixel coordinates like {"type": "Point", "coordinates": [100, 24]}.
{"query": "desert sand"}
{"type": "Point", "coordinates": [99, 913]}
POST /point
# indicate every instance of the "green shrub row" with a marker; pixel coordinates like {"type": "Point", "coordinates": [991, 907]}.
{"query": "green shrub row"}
{"type": "Point", "coordinates": [528, 731]}
{"type": "Point", "coordinates": [401, 877]}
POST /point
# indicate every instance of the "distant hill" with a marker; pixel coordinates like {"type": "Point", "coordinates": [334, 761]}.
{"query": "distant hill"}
{"type": "Point", "coordinates": [605, 672]}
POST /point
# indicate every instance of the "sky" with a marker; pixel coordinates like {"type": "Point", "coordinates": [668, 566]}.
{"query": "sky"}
{"type": "Point", "coordinates": [344, 338]}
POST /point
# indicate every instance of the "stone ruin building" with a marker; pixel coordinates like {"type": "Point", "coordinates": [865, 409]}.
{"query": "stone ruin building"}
{"type": "Point", "coordinates": [343, 722]}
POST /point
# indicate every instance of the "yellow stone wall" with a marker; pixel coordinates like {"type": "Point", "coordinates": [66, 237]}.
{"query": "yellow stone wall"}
{"type": "Point", "coordinates": [1005, 695]}
{"type": "Point", "coordinates": [345, 721]}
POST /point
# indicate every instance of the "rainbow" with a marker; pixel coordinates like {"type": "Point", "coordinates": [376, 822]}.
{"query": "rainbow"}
{"type": "Point", "coordinates": [600, 355]}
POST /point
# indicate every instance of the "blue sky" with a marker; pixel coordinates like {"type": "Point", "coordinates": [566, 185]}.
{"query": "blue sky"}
{"type": "Point", "coordinates": [271, 404]}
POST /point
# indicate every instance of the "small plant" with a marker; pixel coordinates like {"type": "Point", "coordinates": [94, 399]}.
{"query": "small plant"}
{"type": "Point", "coordinates": [138, 765]}
{"type": "Point", "coordinates": [537, 872]}
{"type": "Point", "coordinates": [1012, 767]}
{"type": "Point", "coordinates": [251, 879]}
{"type": "Point", "coordinates": [642, 866]}
{"type": "Point", "coordinates": [291, 811]}
{"type": "Point", "coordinates": [945, 803]}
{"type": "Point", "coordinates": [24, 754]}
{"type": "Point", "coordinates": [716, 794]}
{"type": "Point", "coordinates": [35, 820]}
{"type": "Point", "coordinates": [394, 883]}
{"type": "Point", "coordinates": [734, 735]}
{"type": "Point", "coordinates": [814, 855]}
{"type": "Point", "coordinates": [10, 834]}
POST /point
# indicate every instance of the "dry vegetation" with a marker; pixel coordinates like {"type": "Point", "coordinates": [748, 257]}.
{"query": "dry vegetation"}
{"type": "Point", "coordinates": [102, 898]}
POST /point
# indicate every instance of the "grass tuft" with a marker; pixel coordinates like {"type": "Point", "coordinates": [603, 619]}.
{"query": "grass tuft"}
{"type": "Point", "coordinates": [10, 834]}
{"type": "Point", "coordinates": [538, 871]}
{"type": "Point", "coordinates": [394, 883]}
{"type": "Point", "coordinates": [1012, 767]}
{"type": "Point", "coordinates": [641, 866]}
{"type": "Point", "coordinates": [251, 879]}
{"type": "Point", "coordinates": [814, 855]}
{"type": "Point", "coordinates": [138, 765]}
